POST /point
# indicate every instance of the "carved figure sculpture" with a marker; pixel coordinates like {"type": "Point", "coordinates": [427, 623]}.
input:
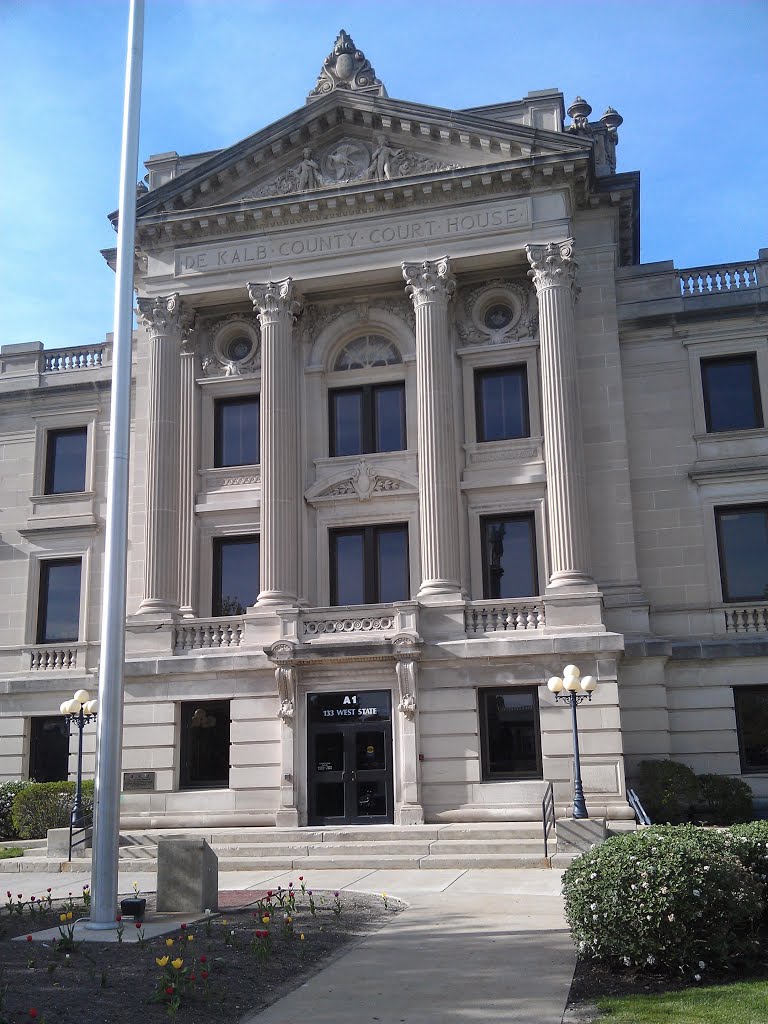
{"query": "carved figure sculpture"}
{"type": "Point", "coordinates": [309, 173]}
{"type": "Point", "coordinates": [381, 160]}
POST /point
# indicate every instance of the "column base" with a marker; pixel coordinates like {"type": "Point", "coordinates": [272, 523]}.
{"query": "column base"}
{"type": "Point", "coordinates": [287, 817]}
{"type": "Point", "coordinates": [410, 814]}
{"type": "Point", "coordinates": [275, 598]}
{"type": "Point", "coordinates": [439, 592]}
{"type": "Point", "coordinates": [156, 606]}
{"type": "Point", "coordinates": [573, 608]}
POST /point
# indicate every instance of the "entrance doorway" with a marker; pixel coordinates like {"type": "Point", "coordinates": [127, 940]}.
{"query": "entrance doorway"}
{"type": "Point", "coordinates": [350, 758]}
{"type": "Point", "coordinates": [49, 750]}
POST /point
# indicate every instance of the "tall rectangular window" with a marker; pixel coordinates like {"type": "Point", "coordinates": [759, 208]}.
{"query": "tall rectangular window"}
{"type": "Point", "coordinates": [65, 454]}
{"type": "Point", "coordinates": [204, 745]}
{"type": "Point", "coordinates": [369, 565]}
{"type": "Point", "coordinates": [509, 734]}
{"type": "Point", "coordinates": [236, 431]}
{"type": "Point", "coordinates": [731, 393]}
{"type": "Point", "coordinates": [58, 608]}
{"type": "Point", "coordinates": [742, 541]}
{"type": "Point", "coordinates": [365, 419]}
{"type": "Point", "coordinates": [235, 574]}
{"type": "Point", "coordinates": [509, 556]}
{"type": "Point", "coordinates": [501, 403]}
{"type": "Point", "coordinates": [751, 706]}
{"type": "Point", "coordinates": [49, 749]}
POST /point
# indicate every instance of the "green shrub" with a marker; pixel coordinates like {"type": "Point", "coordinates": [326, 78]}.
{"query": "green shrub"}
{"type": "Point", "coordinates": [666, 898]}
{"type": "Point", "coordinates": [44, 805]}
{"type": "Point", "coordinates": [724, 800]}
{"type": "Point", "coordinates": [749, 842]}
{"type": "Point", "coordinates": [8, 791]}
{"type": "Point", "coordinates": [668, 789]}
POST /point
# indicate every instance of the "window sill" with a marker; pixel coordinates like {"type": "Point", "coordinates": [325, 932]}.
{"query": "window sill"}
{"type": "Point", "coordinates": [513, 451]}
{"type": "Point", "coordinates": [61, 511]}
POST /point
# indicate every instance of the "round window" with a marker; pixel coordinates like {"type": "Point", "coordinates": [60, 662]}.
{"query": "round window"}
{"type": "Point", "coordinates": [238, 348]}
{"type": "Point", "coordinates": [498, 316]}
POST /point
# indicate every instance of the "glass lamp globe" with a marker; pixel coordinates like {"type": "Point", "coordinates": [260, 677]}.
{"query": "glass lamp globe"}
{"type": "Point", "coordinates": [554, 684]}
{"type": "Point", "coordinates": [571, 670]}
{"type": "Point", "coordinates": [82, 696]}
{"type": "Point", "coordinates": [571, 683]}
{"type": "Point", "coordinates": [91, 707]}
{"type": "Point", "coordinates": [64, 709]}
{"type": "Point", "coordinates": [73, 706]}
{"type": "Point", "coordinates": [588, 683]}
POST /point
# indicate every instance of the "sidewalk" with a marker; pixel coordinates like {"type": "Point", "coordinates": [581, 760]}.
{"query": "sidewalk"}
{"type": "Point", "coordinates": [473, 946]}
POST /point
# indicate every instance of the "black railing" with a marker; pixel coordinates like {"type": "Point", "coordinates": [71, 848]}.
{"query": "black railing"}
{"type": "Point", "coordinates": [641, 815]}
{"type": "Point", "coordinates": [548, 815]}
{"type": "Point", "coordinates": [80, 835]}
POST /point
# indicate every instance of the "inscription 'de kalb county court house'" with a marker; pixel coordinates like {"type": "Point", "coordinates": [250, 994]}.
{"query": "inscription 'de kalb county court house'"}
{"type": "Point", "coordinates": [306, 243]}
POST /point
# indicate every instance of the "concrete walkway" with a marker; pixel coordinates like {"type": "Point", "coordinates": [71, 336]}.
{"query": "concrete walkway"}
{"type": "Point", "coordinates": [473, 946]}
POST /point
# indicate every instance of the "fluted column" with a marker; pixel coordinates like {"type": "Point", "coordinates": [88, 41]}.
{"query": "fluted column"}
{"type": "Point", "coordinates": [553, 271]}
{"type": "Point", "coordinates": [168, 323]}
{"type": "Point", "coordinates": [188, 451]}
{"type": "Point", "coordinates": [280, 498]}
{"type": "Point", "coordinates": [430, 285]}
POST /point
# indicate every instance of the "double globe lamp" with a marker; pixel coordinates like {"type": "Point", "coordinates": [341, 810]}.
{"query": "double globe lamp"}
{"type": "Point", "coordinates": [574, 688]}
{"type": "Point", "coordinates": [79, 710]}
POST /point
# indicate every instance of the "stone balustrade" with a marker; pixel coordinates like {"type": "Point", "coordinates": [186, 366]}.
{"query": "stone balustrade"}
{"type": "Point", "coordinates": [208, 634]}
{"type": "Point", "coordinates": [749, 619]}
{"type": "Point", "coordinates": [78, 357]}
{"type": "Point", "coordinates": [711, 280]}
{"type": "Point", "coordinates": [50, 658]}
{"type": "Point", "coordinates": [364, 620]}
{"type": "Point", "coordinates": [503, 616]}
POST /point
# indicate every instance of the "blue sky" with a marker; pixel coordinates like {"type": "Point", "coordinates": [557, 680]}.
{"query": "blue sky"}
{"type": "Point", "coordinates": [690, 79]}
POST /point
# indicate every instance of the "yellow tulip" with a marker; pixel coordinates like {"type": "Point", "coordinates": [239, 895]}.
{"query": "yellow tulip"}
{"type": "Point", "coordinates": [161, 961]}
{"type": "Point", "coordinates": [169, 942]}
{"type": "Point", "coordinates": [190, 938]}
{"type": "Point", "coordinates": [302, 936]}
{"type": "Point", "coordinates": [265, 920]}
{"type": "Point", "coordinates": [177, 963]}
{"type": "Point", "coordinates": [62, 917]}
{"type": "Point", "coordinates": [69, 916]}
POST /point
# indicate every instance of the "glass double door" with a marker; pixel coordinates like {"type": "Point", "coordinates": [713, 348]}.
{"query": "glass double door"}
{"type": "Point", "coordinates": [350, 758]}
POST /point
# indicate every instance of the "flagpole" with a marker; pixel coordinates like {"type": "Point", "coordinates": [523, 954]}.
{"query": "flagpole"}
{"type": "Point", "coordinates": [106, 828]}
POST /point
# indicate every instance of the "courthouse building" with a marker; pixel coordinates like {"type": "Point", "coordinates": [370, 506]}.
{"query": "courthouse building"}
{"type": "Point", "coordinates": [412, 429]}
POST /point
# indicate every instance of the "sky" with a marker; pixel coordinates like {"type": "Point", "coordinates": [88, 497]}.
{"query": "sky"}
{"type": "Point", "coordinates": [689, 77]}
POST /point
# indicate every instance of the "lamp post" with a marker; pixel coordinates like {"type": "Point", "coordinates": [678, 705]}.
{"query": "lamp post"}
{"type": "Point", "coordinates": [79, 710]}
{"type": "Point", "coordinates": [572, 682]}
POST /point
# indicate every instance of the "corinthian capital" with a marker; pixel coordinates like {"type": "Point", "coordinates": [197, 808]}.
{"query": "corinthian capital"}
{"type": "Point", "coordinates": [166, 314]}
{"type": "Point", "coordinates": [552, 265]}
{"type": "Point", "coordinates": [274, 300]}
{"type": "Point", "coordinates": [429, 281]}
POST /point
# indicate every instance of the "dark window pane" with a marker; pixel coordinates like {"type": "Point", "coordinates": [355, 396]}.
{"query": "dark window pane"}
{"type": "Point", "coordinates": [59, 605]}
{"type": "Point", "coordinates": [329, 752]}
{"type": "Point", "coordinates": [235, 574]}
{"type": "Point", "coordinates": [502, 404]}
{"type": "Point", "coordinates": [742, 535]}
{"type": "Point", "coordinates": [370, 750]}
{"type": "Point", "coordinates": [752, 722]}
{"type": "Point", "coordinates": [49, 750]}
{"type": "Point", "coordinates": [510, 733]}
{"type": "Point", "coordinates": [65, 461]}
{"type": "Point", "coordinates": [731, 395]}
{"type": "Point", "coordinates": [347, 568]}
{"type": "Point", "coordinates": [392, 564]}
{"type": "Point", "coordinates": [347, 422]}
{"type": "Point", "coordinates": [371, 798]}
{"type": "Point", "coordinates": [509, 557]}
{"type": "Point", "coordinates": [329, 799]}
{"type": "Point", "coordinates": [389, 418]}
{"type": "Point", "coordinates": [236, 432]}
{"type": "Point", "coordinates": [204, 745]}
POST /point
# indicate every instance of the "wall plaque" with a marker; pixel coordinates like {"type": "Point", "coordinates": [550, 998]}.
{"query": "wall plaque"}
{"type": "Point", "coordinates": [133, 781]}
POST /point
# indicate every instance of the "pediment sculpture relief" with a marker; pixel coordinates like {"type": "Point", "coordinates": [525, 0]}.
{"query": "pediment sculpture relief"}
{"type": "Point", "coordinates": [496, 313]}
{"type": "Point", "coordinates": [346, 162]}
{"type": "Point", "coordinates": [364, 483]}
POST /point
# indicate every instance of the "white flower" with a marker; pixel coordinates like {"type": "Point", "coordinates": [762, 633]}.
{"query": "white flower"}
{"type": "Point", "coordinates": [627, 961]}
{"type": "Point", "coordinates": [670, 917]}
{"type": "Point", "coordinates": [595, 917]}
{"type": "Point", "coordinates": [696, 892]}
{"type": "Point", "coordinates": [664, 890]}
{"type": "Point", "coordinates": [634, 888]}
{"type": "Point", "coordinates": [593, 906]}
{"type": "Point", "coordinates": [702, 965]}
{"type": "Point", "coordinates": [706, 867]}
{"type": "Point", "coordinates": [593, 875]}
{"type": "Point", "coordinates": [697, 977]}
{"type": "Point", "coordinates": [651, 959]}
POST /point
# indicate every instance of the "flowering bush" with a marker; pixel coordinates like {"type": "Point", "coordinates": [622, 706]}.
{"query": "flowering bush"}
{"type": "Point", "coordinates": [665, 898]}
{"type": "Point", "coordinates": [8, 791]}
{"type": "Point", "coordinates": [43, 805]}
{"type": "Point", "coordinates": [749, 843]}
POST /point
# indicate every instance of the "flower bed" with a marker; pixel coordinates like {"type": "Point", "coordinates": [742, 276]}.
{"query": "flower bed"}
{"type": "Point", "coordinates": [209, 971]}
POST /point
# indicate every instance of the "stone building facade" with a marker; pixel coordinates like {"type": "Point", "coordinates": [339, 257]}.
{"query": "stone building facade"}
{"type": "Point", "coordinates": [412, 429]}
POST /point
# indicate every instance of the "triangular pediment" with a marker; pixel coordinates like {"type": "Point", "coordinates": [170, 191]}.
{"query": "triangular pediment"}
{"type": "Point", "coordinates": [348, 140]}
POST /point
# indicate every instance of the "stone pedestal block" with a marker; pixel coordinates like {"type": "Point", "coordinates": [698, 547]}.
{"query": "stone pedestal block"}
{"type": "Point", "coordinates": [187, 876]}
{"type": "Point", "coordinates": [577, 835]}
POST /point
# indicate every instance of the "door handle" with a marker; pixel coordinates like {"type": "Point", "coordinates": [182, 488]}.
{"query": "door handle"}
{"type": "Point", "coordinates": [353, 777]}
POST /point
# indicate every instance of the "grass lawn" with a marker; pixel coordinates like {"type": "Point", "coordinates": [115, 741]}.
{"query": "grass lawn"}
{"type": "Point", "coordinates": [10, 851]}
{"type": "Point", "coordinates": [744, 1002]}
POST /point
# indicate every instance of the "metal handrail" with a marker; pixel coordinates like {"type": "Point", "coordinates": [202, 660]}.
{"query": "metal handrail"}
{"type": "Point", "coordinates": [548, 814]}
{"type": "Point", "coordinates": [641, 815]}
{"type": "Point", "coordinates": [84, 831]}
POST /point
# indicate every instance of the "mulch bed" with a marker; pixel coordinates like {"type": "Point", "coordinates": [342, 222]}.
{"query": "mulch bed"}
{"type": "Point", "coordinates": [114, 983]}
{"type": "Point", "coordinates": [593, 981]}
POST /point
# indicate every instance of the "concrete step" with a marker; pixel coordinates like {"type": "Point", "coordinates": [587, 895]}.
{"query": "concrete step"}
{"type": "Point", "coordinates": [457, 847]}
{"type": "Point", "coordinates": [492, 830]}
{"type": "Point", "coordinates": [487, 860]}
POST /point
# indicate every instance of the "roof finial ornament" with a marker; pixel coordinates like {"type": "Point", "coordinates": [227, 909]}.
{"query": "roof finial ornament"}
{"type": "Point", "coordinates": [579, 110]}
{"type": "Point", "coordinates": [346, 68]}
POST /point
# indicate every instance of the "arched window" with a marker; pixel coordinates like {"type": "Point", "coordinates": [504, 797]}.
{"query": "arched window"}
{"type": "Point", "coordinates": [369, 416]}
{"type": "Point", "coordinates": [366, 352]}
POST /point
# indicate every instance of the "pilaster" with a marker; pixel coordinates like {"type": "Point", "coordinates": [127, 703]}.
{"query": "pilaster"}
{"type": "Point", "coordinates": [407, 653]}
{"type": "Point", "coordinates": [277, 309]}
{"type": "Point", "coordinates": [188, 462]}
{"type": "Point", "coordinates": [168, 323]}
{"type": "Point", "coordinates": [286, 673]}
{"type": "Point", "coordinates": [430, 285]}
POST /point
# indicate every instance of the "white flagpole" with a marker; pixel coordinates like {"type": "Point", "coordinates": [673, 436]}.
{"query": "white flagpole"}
{"type": "Point", "coordinates": [106, 834]}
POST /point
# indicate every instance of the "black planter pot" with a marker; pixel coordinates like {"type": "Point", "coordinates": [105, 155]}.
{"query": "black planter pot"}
{"type": "Point", "coordinates": [133, 907]}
